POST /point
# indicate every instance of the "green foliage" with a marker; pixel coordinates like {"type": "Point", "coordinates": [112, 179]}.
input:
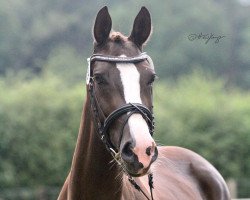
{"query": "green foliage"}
{"type": "Point", "coordinates": [28, 193]}
{"type": "Point", "coordinates": [39, 120]}
{"type": "Point", "coordinates": [64, 63]}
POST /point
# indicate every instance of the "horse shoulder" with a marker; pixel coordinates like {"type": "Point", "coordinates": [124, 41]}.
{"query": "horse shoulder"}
{"type": "Point", "coordinates": [209, 180]}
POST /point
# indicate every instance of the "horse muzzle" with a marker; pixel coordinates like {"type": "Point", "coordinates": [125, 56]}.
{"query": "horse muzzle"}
{"type": "Point", "coordinates": [138, 159]}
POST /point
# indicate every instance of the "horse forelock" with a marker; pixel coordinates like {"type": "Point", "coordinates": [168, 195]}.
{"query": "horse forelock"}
{"type": "Point", "coordinates": [117, 44]}
{"type": "Point", "coordinates": [118, 37]}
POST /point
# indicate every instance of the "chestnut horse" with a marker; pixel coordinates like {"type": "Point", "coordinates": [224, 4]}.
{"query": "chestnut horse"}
{"type": "Point", "coordinates": [115, 153]}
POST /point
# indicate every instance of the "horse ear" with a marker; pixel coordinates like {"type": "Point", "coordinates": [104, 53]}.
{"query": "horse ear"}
{"type": "Point", "coordinates": [102, 25]}
{"type": "Point", "coordinates": [141, 28]}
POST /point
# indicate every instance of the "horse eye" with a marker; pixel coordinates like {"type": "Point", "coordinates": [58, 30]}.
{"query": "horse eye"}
{"type": "Point", "coordinates": [99, 79]}
{"type": "Point", "coordinates": [152, 79]}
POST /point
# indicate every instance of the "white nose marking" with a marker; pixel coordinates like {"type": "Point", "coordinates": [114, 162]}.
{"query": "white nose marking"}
{"type": "Point", "coordinates": [130, 78]}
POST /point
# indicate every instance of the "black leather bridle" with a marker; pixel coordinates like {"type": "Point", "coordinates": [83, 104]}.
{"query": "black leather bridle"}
{"type": "Point", "coordinates": [127, 109]}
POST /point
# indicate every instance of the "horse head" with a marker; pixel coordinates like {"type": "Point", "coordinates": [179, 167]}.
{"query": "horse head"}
{"type": "Point", "coordinates": [121, 77]}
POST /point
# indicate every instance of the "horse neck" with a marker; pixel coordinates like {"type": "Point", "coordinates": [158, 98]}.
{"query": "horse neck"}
{"type": "Point", "coordinates": [92, 175]}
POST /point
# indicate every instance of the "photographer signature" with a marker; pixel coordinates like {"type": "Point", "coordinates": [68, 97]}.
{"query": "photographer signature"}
{"type": "Point", "coordinates": [206, 37]}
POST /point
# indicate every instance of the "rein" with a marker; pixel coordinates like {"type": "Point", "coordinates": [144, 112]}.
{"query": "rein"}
{"type": "Point", "coordinates": [129, 109]}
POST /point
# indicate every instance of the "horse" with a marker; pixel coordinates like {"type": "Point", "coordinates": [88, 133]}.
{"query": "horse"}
{"type": "Point", "coordinates": [116, 156]}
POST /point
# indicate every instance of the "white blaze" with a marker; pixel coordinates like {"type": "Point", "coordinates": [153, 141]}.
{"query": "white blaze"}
{"type": "Point", "coordinates": [130, 78]}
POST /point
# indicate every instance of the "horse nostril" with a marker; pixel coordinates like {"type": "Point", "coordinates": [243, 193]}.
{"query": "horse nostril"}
{"type": "Point", "coordinates": [127, 149]}
{"type": "Point", "coordinates": [140, 165]}
{"type": "Point", "coordinates": [148, 151]}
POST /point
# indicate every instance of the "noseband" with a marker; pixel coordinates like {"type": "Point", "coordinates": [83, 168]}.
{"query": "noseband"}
{"type": "Point", "coordinates": [129, 109]}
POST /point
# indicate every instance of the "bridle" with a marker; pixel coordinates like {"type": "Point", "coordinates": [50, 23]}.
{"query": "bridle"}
{"type": "Point", "coordinates": [128, 109]}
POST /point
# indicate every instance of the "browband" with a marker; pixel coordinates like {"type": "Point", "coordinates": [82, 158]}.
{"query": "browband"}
{"type": "Point", "coordinates": [116, 59]}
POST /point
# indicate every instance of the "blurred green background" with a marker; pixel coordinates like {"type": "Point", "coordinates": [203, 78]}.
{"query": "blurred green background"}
{"type": "Point", "coordinates": [202, 97]}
